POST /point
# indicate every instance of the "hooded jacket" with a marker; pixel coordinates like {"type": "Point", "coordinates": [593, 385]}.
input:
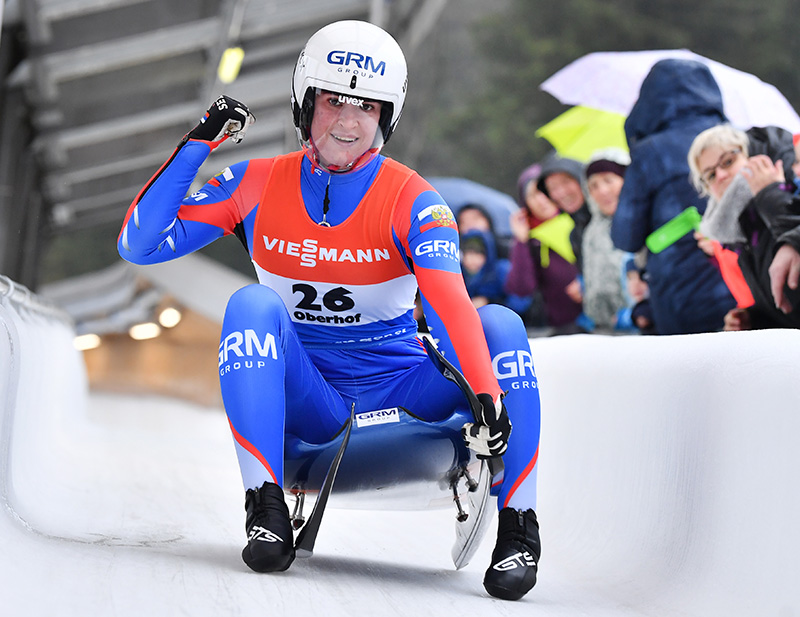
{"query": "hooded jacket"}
{"type": "Point", "coordinates": [555, 164]}
{"type": "Point", "coordinates": [491, 278]}
{"type": "Point", "coordinates": [678, 99]}
{"type": "Point", "coordinates": [544, 265]}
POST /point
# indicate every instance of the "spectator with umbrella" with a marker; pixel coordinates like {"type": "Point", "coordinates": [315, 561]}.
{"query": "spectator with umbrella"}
{"type": "Point", "coordinates": [678, 100]}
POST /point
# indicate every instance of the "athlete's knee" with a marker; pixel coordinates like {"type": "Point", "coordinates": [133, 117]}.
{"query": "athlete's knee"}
{"type": "Point", "coordinates": [497, 311]}
{"type": "Point", "coordinates": [501, 321]}
{"type": "Point", "coordinates": [251, 332]}
{"type": "Point", "coordinates": [255, 298]}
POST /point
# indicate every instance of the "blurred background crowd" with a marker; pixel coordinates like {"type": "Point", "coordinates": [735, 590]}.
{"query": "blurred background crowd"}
{"type": "Point", "coordinates": [672, 211]}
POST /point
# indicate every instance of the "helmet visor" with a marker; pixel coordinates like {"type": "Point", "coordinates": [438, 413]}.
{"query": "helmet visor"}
{"type": "Point", "coordinates": [344, 129]}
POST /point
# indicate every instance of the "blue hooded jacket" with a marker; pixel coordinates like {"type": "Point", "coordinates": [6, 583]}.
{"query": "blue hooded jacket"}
{"type": "Point", "coordinates": [678, 100]}
{"type": "Point", "coordinates": [490, 280]}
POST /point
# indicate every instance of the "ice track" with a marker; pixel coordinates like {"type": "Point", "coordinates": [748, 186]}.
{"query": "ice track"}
{"type": "Point", "coordinates": [668, 487]}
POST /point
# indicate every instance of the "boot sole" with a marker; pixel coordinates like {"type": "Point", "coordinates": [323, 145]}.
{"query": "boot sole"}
{"type": "Point", "coordinates": [267, 563]}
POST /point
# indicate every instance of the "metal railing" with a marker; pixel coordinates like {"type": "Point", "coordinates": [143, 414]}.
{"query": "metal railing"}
{"type": "Point", "coordinates": [22, 297]}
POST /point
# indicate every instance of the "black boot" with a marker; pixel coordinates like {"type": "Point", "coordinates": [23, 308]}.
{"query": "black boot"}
{"type": "Point", "coordinates": [270, 545]}
{"type": "Point", "coordinates": [515, 556]}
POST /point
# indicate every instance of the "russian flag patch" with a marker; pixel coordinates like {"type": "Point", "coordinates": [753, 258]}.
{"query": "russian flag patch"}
{"type": "Point", "coordinates": [438, 215]}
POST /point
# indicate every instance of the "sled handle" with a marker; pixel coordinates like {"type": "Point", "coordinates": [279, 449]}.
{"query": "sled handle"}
{"type": "Point", "coordinates": [451, 373]}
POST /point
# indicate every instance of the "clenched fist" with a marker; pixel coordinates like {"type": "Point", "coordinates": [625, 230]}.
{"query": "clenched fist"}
{"type": "Point", "coordinates": [225, 118]}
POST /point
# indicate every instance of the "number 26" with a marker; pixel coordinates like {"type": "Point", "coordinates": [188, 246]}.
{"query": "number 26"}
{"type": "Point", "coordinates": [337, 299]}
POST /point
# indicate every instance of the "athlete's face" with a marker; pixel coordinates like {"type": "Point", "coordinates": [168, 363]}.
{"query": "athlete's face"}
{"type": "Point", "coordinates": [343, 128]}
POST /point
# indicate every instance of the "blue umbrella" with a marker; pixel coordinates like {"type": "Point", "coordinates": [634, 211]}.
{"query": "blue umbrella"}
{"type": "Point", "coordinates": [458, 192]}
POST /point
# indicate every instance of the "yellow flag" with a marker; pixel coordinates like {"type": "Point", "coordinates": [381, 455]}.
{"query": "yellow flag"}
{"type": "Point", "coordinates": [554, 235]}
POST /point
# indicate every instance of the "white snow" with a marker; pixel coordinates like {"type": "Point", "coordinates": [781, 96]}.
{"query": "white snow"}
{"type": "Point", "coordinates": [668, 486]}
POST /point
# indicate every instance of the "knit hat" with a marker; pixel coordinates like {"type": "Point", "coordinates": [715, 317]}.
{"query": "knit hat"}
{"type": "Point", "coordinates": [615, 160]}
{"type": "Point", "coordinates": [603, 165]}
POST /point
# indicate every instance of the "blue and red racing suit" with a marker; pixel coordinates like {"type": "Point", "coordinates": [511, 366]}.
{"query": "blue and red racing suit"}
{"type": "Point", "coordinates": [331, 321]}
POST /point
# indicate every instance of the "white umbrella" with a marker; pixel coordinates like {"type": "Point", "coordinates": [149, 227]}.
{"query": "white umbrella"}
{"type": "Point", "coordinates": [611, 81]}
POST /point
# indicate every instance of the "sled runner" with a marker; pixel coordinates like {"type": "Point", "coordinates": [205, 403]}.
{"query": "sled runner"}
{"type": "Point", "coordinates": [400, 464]}
{"type": "Point", "coordinates": [388, 459]}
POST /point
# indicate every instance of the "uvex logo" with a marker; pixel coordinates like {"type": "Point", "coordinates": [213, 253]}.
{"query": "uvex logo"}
{"type": "Point", "coordinates": [351, 59]}
{"type": "Point", "coordinates": [351, 100]}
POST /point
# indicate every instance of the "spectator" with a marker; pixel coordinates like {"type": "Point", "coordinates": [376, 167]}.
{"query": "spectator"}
{"type": "Point", "coordinates": [560, 180]}
{"type": "Point", "coordinates": [752, 209]}
{"type": "Point", "coordinates": [469, 217]}
{"type": "Point", "coordinates": [604, 294]}
{"type": "Point", "coordinates": [678, 99]}
{"type": "Point", "coordinates": [485, 273]}
{"type": "Point", "coordinates": [541, 256]}
{"type": "Point", "coordinates": [474, 216]}
{"type": "Point", "coordinates": [639, 311]}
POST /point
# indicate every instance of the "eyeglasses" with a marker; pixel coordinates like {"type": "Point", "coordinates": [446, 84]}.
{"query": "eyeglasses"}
{"type": "Point", "coordinates": [724, 162]}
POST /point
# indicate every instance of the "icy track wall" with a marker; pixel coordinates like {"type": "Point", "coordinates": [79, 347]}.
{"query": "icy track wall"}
{"type": "Point", "coordinates": [42, 377]}
{"type": "Point", "coordinates": [670, 470]}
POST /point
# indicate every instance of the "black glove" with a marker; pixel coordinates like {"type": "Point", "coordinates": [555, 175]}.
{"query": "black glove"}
{"type": "Point", "coordinates": [489, 435]}
{"type": "Point", "coordinates": [225, 118]}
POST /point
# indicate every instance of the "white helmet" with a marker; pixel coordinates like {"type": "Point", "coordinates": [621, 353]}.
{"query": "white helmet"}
{"type": "Point", "coordinates": [354, 58]}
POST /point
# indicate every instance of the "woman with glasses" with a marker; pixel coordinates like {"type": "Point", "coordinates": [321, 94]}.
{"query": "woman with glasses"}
{"type": "Point", "coordinates": [752, 210]}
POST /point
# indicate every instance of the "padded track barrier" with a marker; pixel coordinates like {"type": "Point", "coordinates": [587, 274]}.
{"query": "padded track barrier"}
{"type": "Point", "coordinates": [42, 376]}
{"type": "Point", "coordinates": [669, 469]}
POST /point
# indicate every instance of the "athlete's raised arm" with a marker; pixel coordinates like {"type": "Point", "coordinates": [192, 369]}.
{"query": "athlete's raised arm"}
{"type": "Point", "coordinates": [163, 222]}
